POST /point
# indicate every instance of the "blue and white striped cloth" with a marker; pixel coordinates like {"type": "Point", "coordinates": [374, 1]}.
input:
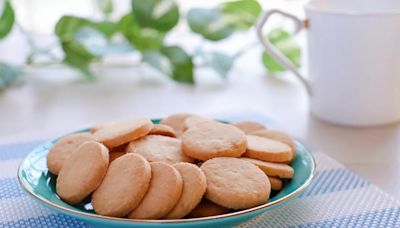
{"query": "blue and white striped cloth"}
{"type": "Point", "coordinates": [336, 198]}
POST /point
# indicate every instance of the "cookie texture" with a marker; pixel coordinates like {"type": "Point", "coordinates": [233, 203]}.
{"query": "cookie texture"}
{"type": "Point", "coordinates": [212, 139]}
{"type": "Point", "coordinates": [193, 120]}
{"type": "Point", "coordinates": [82, 172]}
{"type": "Point", "coordinates": [63, 148]}
{"type": "Point", "coordinates": [194, 187]}
{"type": "Point", "coordinates": [278, 136]}
{"type": "Point", "coordinates": [124, 186]}
{"type": "Point", "coordinates": [267, 149]}
{"type": "Point", "coordinates": [273, 169]}
{"type": "Point", "coordinates": [249, 126]}
{"type": "Point", "coordinates": [159, 148]}
{"type": "Point", "coordinates": [235, 183]}
{"type": "Point", "coordinates": [162, 129]}
{"type": "Point", "coordinates": [176, 122]}
{"type": "Point", "coordinates": [119, 133]}
{"type": "Point", "coordinates": [163, 194]}
{"type": "Point", "coordinates": [207, 208]}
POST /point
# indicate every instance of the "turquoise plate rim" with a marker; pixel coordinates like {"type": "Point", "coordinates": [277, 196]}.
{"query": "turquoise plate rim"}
{"type": "Point", "coordinates": [153, 221]}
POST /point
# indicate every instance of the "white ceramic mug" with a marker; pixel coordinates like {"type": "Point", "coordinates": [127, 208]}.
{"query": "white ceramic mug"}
{"type": "Point", "coordinates": [354, 59]}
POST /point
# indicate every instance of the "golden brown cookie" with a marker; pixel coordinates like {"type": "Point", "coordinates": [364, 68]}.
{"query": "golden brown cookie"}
{"type": "Point", "coordinates": [249, 126]}
{"type": "Point", "coordinates": [159, 148]}
{"type": "Point", "coordinates": [176, 122]}
{"type": "Point", "coordinates": [235, 183]}
{"type": "Point", "coordinates": [123, 132]}
{"type": "Point", "coordinates": [82, 172]}
{"type": "Point", "coordinates": [273, 169]}
{"type": "Point", "coordinates": [276, 183]}
{"type": "Point", "coordinates": [194, 187]}
{"type": "Point", "coordinates": [207, 208]}
{"type": "Point", "coordinates": [212, 139]}
{"type": "Point", "coordinates": [63, 148]}
{"type": "Point", "coordinates": [278, 136]}
{"type": "Point", "coordinates": [192, 121]}
{"type": "Point", "coordinates": [163, 194]}
{"type": "Point", "coordinates": [161, 129]}
{"type": "Point", "coordinates": [123, 187]}
{"type": "Point", "coordinates": [267, 149]}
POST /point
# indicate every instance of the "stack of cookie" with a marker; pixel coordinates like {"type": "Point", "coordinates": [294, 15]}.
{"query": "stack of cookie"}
{"type": "Point", "coordinates": [186, 166]}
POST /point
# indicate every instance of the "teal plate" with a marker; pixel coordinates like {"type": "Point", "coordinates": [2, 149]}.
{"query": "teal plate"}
{"type": "Point", "coordinates": [40, 184]}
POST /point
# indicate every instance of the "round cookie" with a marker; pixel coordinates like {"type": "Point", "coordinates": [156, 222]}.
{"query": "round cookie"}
{"type": "Point", "coordinates": [249, 126]}
{"type": "Point", "coordinates": [63, 148]}
{"type": "Point", "coordinates": [159, 148]}
{"type": "Point", "coordinates": [207, 208]}
{"type": "Point", "coordinates": [278, 136]}
{"type": "Point", "coordinates": [123, 187]}
{"type": "Point", "coordinates": [267, 149]}
{"type": "Point", "coordinates": [235, 183]}
{"type": "Point", "coordinates": [163, 194]}
{"type": "Point", "coordinates": [82, 172]}
{"type": "Point", "coordinates": [161, 129]}
{"type": "Point", "coordinates": [194, 187]}
{"type": "Point", "coordinates": [119, 133]}
{"type": "Point", "coordinates": [212, 139]}
{"type": "Point", "coordinates": [176, 122]}
{"type": "Point", "coordinates": [273, 169]}
{"type": "Point", "coordinates": [276, 183]}
{"type": "Point", "coordinates": [192, 121]}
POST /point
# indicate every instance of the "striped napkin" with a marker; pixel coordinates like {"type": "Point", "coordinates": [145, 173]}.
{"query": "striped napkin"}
{"type": "Point", "coordinates": [336, 198]}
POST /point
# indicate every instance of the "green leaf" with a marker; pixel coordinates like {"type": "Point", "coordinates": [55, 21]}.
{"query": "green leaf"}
{"type": "Point", "coordinates": [7, 19]}
{"type": "Point", "coordinates": [219, 62]}
{"type": "Point", "coordinates": [161, 15]}
{"type": "Point", "coordinates": [108, 28]}
{"type": "Point", "coordinates": [8, 75]}
{"type": "Point", "coordinates": [141, 38]}
{"type": "Point", "coordinates": [172, 61]}
{"type": "Point", "coordinates": [285, 43]}
{"type": "Point", "coordinates": [210, 23]}
{"type": "Point", "coordinates": [75, 53]}
{"type": "Point", "coordinates": [106, 6]}
{"type": "Point", "coordinates": [241, 14]}
{"type": "Point", "coordinates": [78, 57]}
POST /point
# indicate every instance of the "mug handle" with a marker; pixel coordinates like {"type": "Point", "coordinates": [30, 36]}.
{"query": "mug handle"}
{"type": "Point", "coordinates": [273, 51]}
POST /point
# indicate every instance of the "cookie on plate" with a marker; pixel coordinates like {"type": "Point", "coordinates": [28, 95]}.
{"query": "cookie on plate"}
{"type": "Point", "coordinates": [161, 129]}
{"type": "Point", "coordinates": [212, 139]}
{"type": "Point", "coordinates": [119, 133]}
{"type": "Point", "coordinates": [192, 121]}
{"type": "Point", "coordinates": [276, 183]}
{"type": "Point", "coordinates": [278, 136]}
{"type": "Point", "coordinates": [163, 194]}
{"type": "Point", "coordinates": [194, 187]}
{"type": "Point", "coordinates": [176, 122]}
{"type": "Point", "coordinates": [159, 148]}
{"type": "Point", "coordinates": [267, 149]}
{"type": "Point", "coordinates": [207, 208]}
{"type": "Point", "coordinates": [82, 172]}
{"type": "Point", "coordinates": [235, 183]}
{"type": "Point", "coordinates": [63, 148]}
{"type": "Point", "coordinates": [273, 169]}
{"type": "Point", "coordinates": [124, 186]}
{"type": "Point", "coordinates": [249, 126]}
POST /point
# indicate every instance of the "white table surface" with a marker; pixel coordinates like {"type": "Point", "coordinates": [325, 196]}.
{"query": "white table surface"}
{"type": "Point", "coordinates": [54, 101]}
